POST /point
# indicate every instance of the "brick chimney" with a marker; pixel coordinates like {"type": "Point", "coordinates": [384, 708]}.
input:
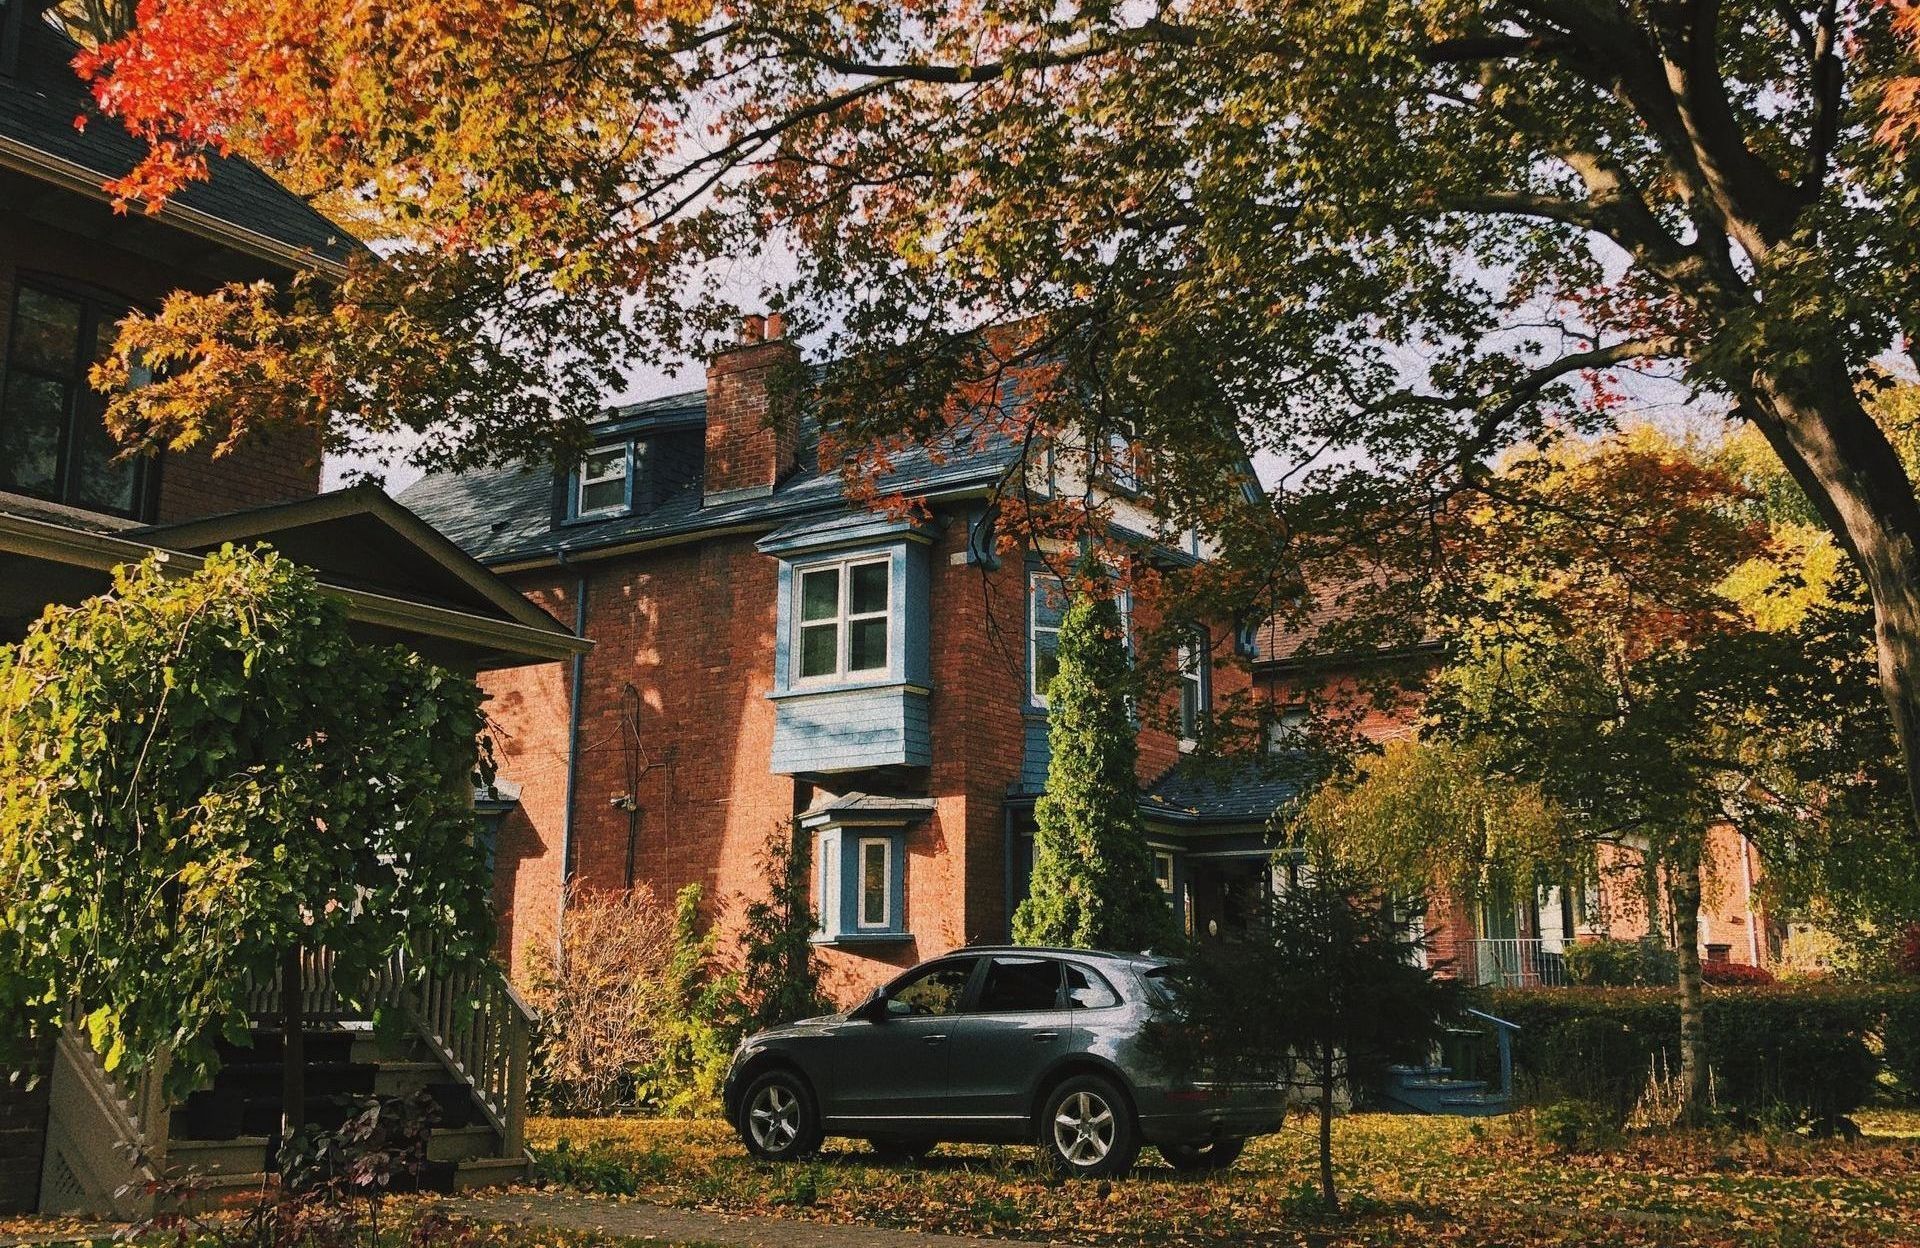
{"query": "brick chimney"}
{"type": "Point", "coordinates": [750, 444]}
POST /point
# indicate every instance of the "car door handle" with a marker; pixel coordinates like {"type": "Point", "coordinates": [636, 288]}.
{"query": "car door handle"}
{"type": "Point", "coordinates": [935, 1039]}
{"type": "Point", "coordinates": [1041, 1037]}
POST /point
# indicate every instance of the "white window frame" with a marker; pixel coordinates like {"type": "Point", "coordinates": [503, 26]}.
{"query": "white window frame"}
{"type": "Point", "coordinates": [582, 481]}
{"type": "Point", "coordinates": [824, 848]}
{"type": "Point", "coordinates": [886, 884]}
{"type": "Point", "coordinates": [843, 620]}
{"type": "Point", "coordinates": [1289, 728]}
{"type": "Point", "coordinates": [1167, 884]}
{"type": "Point", "coordinates": [1192, 656]}
{"type": "Point", "coordinates": [1118, 462]}
{"type": "Point", "coordinates": [1038, 581]}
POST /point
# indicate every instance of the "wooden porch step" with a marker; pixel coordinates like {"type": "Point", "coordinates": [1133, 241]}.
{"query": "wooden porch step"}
{"type": "Point", "coordinates": [245, 1155]}
{"type": "Point", "coordinates": [463, 1144]}
{"type": "Point", "coordinates": [489, 1172]}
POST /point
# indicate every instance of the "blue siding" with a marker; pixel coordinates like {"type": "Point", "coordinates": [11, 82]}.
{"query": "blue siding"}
{"type": "Point", "coordinates": [1037, 754]}
{"type": "Point", "coordinates": [838, 849]}
{"type": "Point", "coordinates": [851, 729]}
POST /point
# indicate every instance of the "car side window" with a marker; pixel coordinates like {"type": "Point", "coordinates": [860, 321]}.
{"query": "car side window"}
{"type": "Point", "coordinates": [1016, 985]}
{"type": "Point", "coordinates": [1088, 990]}
{"type": "Point", "coordinates": [936, 991]}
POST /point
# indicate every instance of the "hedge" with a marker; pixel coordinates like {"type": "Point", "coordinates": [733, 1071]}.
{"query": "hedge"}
{"type": "Point", "coordinates": [1796, 1055]}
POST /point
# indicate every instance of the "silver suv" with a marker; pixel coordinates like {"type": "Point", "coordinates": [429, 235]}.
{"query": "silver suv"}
{"type": "Point", "coordinates": [995, 1045]}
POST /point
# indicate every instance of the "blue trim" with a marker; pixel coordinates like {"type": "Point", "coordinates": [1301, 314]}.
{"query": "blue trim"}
{"type": "Point", "coordinates": [841, 876]}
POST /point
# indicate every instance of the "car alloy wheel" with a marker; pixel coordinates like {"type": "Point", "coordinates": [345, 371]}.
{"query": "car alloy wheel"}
{"type": "Point", "coordinates": [774, 1118]}
{"type": "Point", "coordinates": [777, 1121]}
{"type": "Point", "coordinates": [1087, 1130]}
{"type": "Point", "coordinates": [1084, 1128]}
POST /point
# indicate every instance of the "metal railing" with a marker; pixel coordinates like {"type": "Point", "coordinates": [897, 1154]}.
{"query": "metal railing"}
{"type": "Point", "coordinates": [1540, 962]}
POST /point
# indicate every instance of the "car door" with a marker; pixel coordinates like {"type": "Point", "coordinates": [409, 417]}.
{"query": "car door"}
{"type": "Point", "coordinates": [1018, 1026]}
{"type": "Point", "coordinates": [894, 1065]}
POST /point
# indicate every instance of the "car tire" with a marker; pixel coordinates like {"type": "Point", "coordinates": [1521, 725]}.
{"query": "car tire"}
{"type": "Point", "coordinates": [1198, 1158]}
{"type": "Point", "coordinates": [778, 1120]}
{"type": "Point", "coordinates": [1087, 1129]}
{"type": "Point", "coordinates": [898, 1151]}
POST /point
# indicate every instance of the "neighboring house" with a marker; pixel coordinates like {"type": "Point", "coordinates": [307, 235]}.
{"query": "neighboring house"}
{"type": "Point", "coordinates": [768, 650]}
{"type": "Point", "coordinates": [72, 1138]}
{"type": "Point", "coordinates": [1308, 671]}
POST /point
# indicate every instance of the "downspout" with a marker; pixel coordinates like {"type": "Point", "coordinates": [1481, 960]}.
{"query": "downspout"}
{"type": "Point", "coordinates": [573, 760]}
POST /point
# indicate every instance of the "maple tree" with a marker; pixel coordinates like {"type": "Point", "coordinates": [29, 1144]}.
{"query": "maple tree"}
{"type": "Point", "coordinates": [1380, 239]}
{"type": "Point", "coordinates": [1645, 645]}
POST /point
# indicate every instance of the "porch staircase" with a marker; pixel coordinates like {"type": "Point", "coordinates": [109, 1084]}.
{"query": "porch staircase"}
{"type": "Point", "coordinates": [1433, 1089]}
{"type": "Point", "coordinates": [115, 1147]}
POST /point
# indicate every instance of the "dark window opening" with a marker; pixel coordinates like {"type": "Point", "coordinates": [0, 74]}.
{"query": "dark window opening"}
{"type": "Point", "coordinates": [54, 442]}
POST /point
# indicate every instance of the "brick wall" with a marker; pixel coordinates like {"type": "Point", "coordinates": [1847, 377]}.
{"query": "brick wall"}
{"type": "Point", "coordinates": [748, 448]}
{"type": "Point", "coordinates": [23, 1128]}
{"type": "Point", "coordinates": [268, 469]}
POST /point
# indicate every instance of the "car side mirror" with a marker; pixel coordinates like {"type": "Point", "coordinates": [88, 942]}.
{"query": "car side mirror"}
{"type": "Point", "coordinates": [874, 1008]}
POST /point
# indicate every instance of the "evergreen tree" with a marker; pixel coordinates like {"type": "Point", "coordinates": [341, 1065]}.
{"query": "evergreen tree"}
{"type": "Point", "coordinates": [1092, 885]}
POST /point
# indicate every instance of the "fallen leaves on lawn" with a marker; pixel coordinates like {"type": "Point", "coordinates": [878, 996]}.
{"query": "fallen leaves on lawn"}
{"type": "Point", "coordinates": [1408, 1180]}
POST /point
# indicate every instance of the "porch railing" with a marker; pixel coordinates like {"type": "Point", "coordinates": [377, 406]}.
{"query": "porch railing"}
{"type": "Point", "coordinates": [473, 1020]}
{"type": "Point", "coordinates": [1540, 962]}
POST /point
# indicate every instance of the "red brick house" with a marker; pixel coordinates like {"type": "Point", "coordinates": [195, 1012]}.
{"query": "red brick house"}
{"type": "Point", "coordinates": [72, 1137]}
{"type": "Point", "coordinates": [767, 650]}
{"type": "Point", "coordinates": [1306, 670]}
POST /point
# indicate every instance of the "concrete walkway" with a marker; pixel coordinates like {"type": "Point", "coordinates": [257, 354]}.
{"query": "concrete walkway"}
{"type": "Point", "coordinates": [639, 1220]}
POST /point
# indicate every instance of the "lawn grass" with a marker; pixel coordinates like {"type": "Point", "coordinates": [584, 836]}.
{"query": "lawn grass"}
{"type": "Point", "coordinates": [1408, 1181]}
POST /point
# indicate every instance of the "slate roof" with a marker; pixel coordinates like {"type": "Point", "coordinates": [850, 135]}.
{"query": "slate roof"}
{"type": "Point", "coordinates": [505, 514]}
{"type": "Point", "coordinates": [1250, 791]}
{"type": "Point", "coordinates": [37, 112]}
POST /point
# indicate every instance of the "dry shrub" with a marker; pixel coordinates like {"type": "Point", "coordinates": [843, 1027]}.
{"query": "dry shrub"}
{"type": "Point", "coordinates": [599, 1021]}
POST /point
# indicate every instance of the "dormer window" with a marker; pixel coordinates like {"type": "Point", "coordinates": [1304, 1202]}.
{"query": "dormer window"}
{"type": "Point", "coordinates": [844, 618]}
{"type": "Point", "coordinates": [604, 484]}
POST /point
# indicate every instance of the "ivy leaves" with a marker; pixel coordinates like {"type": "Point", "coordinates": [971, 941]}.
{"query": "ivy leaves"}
{"type": "Point", "coordinates": [199, 772]}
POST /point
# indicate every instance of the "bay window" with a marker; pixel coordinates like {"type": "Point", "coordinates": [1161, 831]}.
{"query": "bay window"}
{"type": "Point", "coordinates": [844, 618]}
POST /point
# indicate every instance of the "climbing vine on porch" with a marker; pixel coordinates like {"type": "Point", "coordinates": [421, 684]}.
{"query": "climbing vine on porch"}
{"type": "Point", "coordinates": [201, 772]}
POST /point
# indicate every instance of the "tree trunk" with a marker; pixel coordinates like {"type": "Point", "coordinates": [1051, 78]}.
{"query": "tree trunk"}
{"type": "Point", "coordinates": [293, 1053]}
{"type": "Point", "coordinates": [1327, 1191]}
{"type": "Point", "coordinates": [1686, 891]}
{"type": "Point", "coordinates": [1842, 459]}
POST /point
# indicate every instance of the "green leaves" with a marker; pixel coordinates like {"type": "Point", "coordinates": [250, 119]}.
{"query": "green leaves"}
{"type": "Point", "coordinates": [196, 773]}
{"type": "Point", "coordinates": [1092, 883]}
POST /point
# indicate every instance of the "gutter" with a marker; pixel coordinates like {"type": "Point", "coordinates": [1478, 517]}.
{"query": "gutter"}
{"type": "Point", "coordinates": [77, 177]}
{"type": "Point", "coordinates": [565, 557]}
{"type": "Point", "coordinates": [103, 552]}
{"type": "Point", "coordinates": [576, 702]}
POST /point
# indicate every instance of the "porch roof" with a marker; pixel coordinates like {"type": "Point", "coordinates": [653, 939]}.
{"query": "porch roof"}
{"type": "Point", "coordinates": [1244, 793]}
{"type": "Point", "coordinates": [401, 582]}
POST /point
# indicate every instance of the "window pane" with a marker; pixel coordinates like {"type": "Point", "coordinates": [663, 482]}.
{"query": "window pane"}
{"type": "Point", "coordinates": [30, 423]}
{"type": "Point", "coordinates": [869, 588]}
{"type": "Point", "coordinates": [938, 991]}
{"type": "Point", "coordinates": [46, 332]}
{"type": "Point", "coordinates": [1087, 991]}
{"type": "Point", "coordinates": [1049, 601]}
{"type": "Point", "coordinates": [1020, 984]}
{"type": "Point", "coordinates": [820, 594]}
{"type": "Point", "coordinates": [1046, 661]}
{"type": "Point", "coordinates": [820, 649]}
{"type": "Point", "coordinates": [99, 480]}
{"type": "Point", "coordinates": [873, 883]}
{"type": "Point", "coordinates": [603, 480]}
{"type": "Point", "coordinates": [867, 645]}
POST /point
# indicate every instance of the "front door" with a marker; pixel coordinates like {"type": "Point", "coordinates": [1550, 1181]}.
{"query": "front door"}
{"type": "Point", "coordinates": [898, 1068]}
{"type": "Point", "coordinates": [1020, 1025]}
